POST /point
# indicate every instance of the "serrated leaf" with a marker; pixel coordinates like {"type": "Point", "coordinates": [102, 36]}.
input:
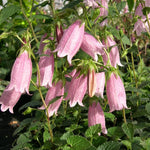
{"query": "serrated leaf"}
{"type": "Point", "coordinates": [147, 107]}
{"type": "Point", "coordinates": [109, 116]}
{"type": "Point", "coordinates": [128, 130]}
{"type": "Point", "coordinates": [125, 40]}
{"type": "Point", "coordinates": [127, 144]}
{"type": "Point", "coordinates": [130, 4]}
{"type": "Point", "coordinates": [93, 130]}
{"type": "Point", "coordinates": [8, 12]}
{"type": "Point", "coordinates": [46, 136]}
{"type": "Point", "coordinates": [121, 6]}
{"type": "Point", "coordinates": [111, 145]}
{"type": "Point", "coordinates": [141, 66]}
{"type": "Point", "coordinates": [115, 132]}
{"type": "Point", "coordinates": [78, 143]}
{"type": "Point", "coordinates": [24, 138]}
{"type": "Point", "coordinates": [66, 135]}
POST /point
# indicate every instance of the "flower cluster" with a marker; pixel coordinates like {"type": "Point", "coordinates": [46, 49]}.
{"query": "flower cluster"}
{"type": "Point", "coordinates": [91, 82]}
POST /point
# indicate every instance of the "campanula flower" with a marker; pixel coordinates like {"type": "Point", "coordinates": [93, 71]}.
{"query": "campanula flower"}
{"type": "Point", "coordinates": [96, 116]}
{"type": "Point", "coordinates": [71, 40]}
{"type": "Point", "coordinates": [115, 93]}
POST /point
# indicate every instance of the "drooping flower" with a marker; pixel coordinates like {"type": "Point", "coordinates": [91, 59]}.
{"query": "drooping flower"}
{"type": "Point", "coordinates": [115, 93]}
{"type": "Point", "coordinates": [100, 82]}
{"type": "Point", "coordinates": [71, 41]}
{"type": "Point", "coordinates": [96, 116]}
{"type": "Point", "coordinates": [53, 92]}
{"type": "Point", "coordinates": [21, 74]}
{"type": "Point", "coordinates": [46, 67]}
{"type": "Point", "coordinates": [114, 53]}
{"type": "Point", "coordinates": [147, 3]}
{"type": "Point", "coordinates": [91, 46]}
{"type": "Point", "coordinates": [9, 99]}
{"type": "Point", "coordinates": [141, 25]}
{"type": "Point", "coordinates": [77, 89]}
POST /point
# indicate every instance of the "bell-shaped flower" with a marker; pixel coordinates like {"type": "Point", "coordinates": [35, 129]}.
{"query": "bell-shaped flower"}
{"type": "Point", "coordinates": [96, 116]}
{"type": "Point", "coordinates": [92, 46]}
{"type": "Point", "coordinates": [54, 92]}
{"type": "Point", "coordinates": [71, 41]}
{"type": "Point", "coordinates": [21, 74]}
{"type": "Point", "coordinates": [115, 93]}
{"type": "Point", "coordinates": [46, 67]}
{"type": "Point", "coordinates": [77, 89]}
{"type": "Point", "coordinates": [92, 83]}
{"type": "Point", "coordinates": [8, 99]}
{"type": "Point", "coordinates": [147, 3]}
{"type": "Point", "coordinates": [100, 84]}
{"type": "Point", "coordinates": [114, 53]}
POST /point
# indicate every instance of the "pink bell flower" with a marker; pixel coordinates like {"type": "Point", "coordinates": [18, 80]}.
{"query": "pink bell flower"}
{"type": "Point", "coordinates": [91, 46]}
{"type": "Point", "coordinates": [59, 33]}
{"type": "Point", "coordinates": [71, 41]}
{"type": "Point", "coordinates": [100, 81]}
{"type": "Point", "coordinates": [46, 67]}
{"type": "Point", "coordinates": [9, 99]}
{"type": "Point", "coordinates": [53, 92]}
{"type": "Point", "coordinates": [147, 3]}
{"type": "Point", "coordinates": [114, 53]}
{"type": "Point", "coordinates": [77, 89]}
{"type": "Point", "coordinates": [115, 92]}
{"type": "Point", "coordinates": [96, 116]}
{"type": "Point", "coordinates": [21, 74]}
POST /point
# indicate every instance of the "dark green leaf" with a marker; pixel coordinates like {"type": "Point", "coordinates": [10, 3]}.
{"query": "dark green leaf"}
{"type": "Point", "coordinates": [111, 145]}
{"type": "Point", "coordinates": [147, 107]}
{"type": "Point", "coordinates": [146, 10]}
{"type": "Point", "coordinates": [78, 143]}
{"type": "Point", "coordinates": [125, 40]}
{"type": "Point", "coordinates": [127, 144]}
{"type": "Point", "coordinates": [130, 4]}
{"type": "Point", "coordinates": [8, 12]}
{"type": "Point", "coordinates": [93, 130]}
{"type": "Point", "coordinates": [115, 132]}
{"type": "Point", "coordinates": [109, 116]}
{"type": "Point", "coordinates": [128, 130]}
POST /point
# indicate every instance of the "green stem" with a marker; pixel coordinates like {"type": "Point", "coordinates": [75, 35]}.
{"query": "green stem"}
{"type": "Point", "coordinates": [30, 24]}
{"type": "Point", "coordinates": [124, 115]}
{"type": "Point", "coordinates": [42, 98]}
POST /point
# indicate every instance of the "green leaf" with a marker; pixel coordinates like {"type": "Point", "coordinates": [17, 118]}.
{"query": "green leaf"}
{"type": "Point", "coordinates": [127, 144]}
{"type": "Point", "coordinates": [128, 130]}
{"type": "Point", "coordinates": [109, 116]}
{"type": "Point", "coordinates": [93, 130]}
{"type": "Point", "coordinates": [146, 10]}
{"type": "Point", "coordinates": [66, 135]}
{"type": "Point", "coordinates": [147, 107]}
{"type": "Point", "coordinates": [125, 40]}
{"type": "Point", "coordinates": [27, 111]}
{"type": "Point", "coordinates": [46, 136]}
{"type": "Point", "coordinates": [8, 12]}
{"type": "Point", "coordinates": [130, 4]}
{"type": "Point", "coordinates": [141, 66]}
{"type": "Point", "coordinates": [111, 145]}
{"type": "Point", "coordinates": [24, 138]}
{"type": "Point", "coordinates": [121, 6]}
{"type": "Point", "coordinates": [146, 144]}
{"type": "Point", "coordinates": [115, 132]}
{"type": "Point", "coordinates": [78, 143]}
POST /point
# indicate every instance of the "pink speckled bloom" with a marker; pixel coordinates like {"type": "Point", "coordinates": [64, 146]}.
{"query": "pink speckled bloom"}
{"type": "Point", "coordinates": [114, 53]}
{"type": "Point", "coordinates": [9, 99]}
{"type": "Point", "coordinates": [77, 89]}
{"type": "Point", "coordinates": [53, 92]}
{"type": "Point", "coordinates": [96, 116]}
{"type": "Point", "coordinates": [21, 74]}
{"type": "Point", "coordinates": [46, 66]}
{"type": "Point", "coordinates": [115, 93]}
{"type": "Point", "coordinates": [147, 3]}
{"type": "Point", "coordinates": [71, 41]}
{"type": "Point", "coordinates": [91, 46]}
{"type": "Point", "coordinates": [100, 81]}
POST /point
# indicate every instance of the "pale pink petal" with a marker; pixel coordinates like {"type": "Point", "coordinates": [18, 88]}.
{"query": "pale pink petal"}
{"type": "Point", "coordinates": [115, 93]}
{"type": "Point", "coordinates": [21, 73]}
{"type": "Point", "coordinates": [96, 116]}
